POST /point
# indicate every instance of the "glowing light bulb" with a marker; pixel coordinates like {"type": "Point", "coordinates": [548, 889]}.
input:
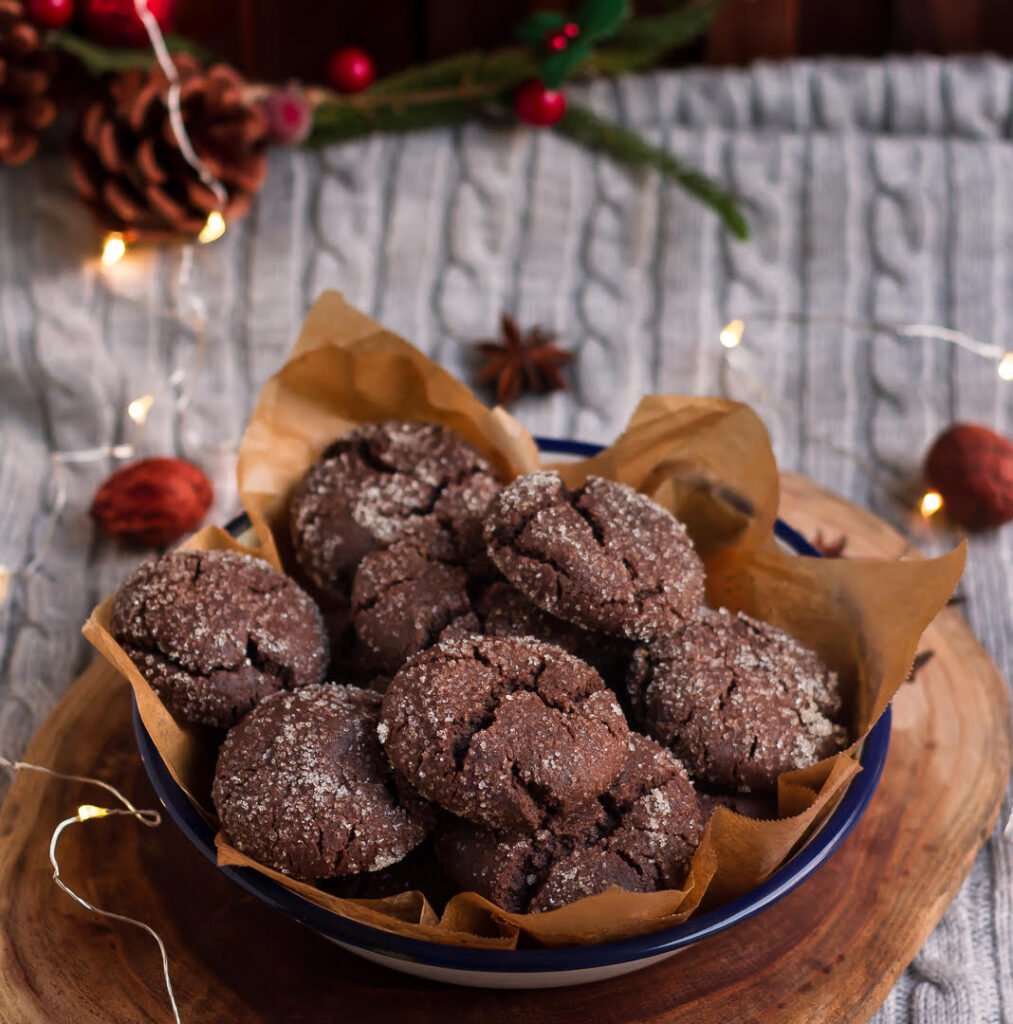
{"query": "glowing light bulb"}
{"type": "Point", "coordinates": [140, 407]}
{"type": "Point", "coordinates": [1006, 366]}
{"type": "Point", "coordinates": [214, 228]}
{"type": "Point", "coordinates": [731, 333]}
{"type": "Point", "coordinates": [114, 248]}
{"type": "Point", "coordinates": [86, 811]}
{"type": "Point", "coordinates": [931, 503]}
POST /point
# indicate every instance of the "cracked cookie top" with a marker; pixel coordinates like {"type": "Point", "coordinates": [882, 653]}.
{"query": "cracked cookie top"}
{"type": "Point", "coordinates": [604, 556]}
{"type": "Point", "coordinates": [503, 610]}
{"type": "Point", "coordinates": [214, 632]}
{"type": "Point", "coordinates": [383, 481]}
{"type": "Point", "coordinates": [503, 731]}
{"type": "Point", "coordinates": [739, 700]}
{"type": "Point", "coordinates": [639, 835]}
{"type": "Point", "coordinates": [404, 600]}
{"type": "Point", "coordinates": [302, 786]}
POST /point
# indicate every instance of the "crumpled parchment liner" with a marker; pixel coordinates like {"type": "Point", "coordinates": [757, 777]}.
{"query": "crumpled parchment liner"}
{"type": "Point", "coordinates": [708, 460]}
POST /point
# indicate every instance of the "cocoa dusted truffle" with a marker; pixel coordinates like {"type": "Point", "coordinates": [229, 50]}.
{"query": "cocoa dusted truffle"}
{"type": "Point", "coordinates": [738, 700]}
{"type": "Point", "coordinates": [640, 835]}
{"type": "Point", "coordinates": [380, 482]}
{"type": "Point", "coordinates": [603, 556]}
{"type": "Point", "coordinates": [302, 786]}
{"type": "Point", "coordinates": [503, 731]}
{"type": "Point", "coordinates": [214, 632]}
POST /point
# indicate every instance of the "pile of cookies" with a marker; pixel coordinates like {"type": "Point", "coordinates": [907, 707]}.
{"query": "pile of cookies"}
{"type": "Point", "coordinates": [456, 667]}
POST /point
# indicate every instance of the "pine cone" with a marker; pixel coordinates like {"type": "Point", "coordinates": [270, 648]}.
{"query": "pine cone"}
{"type": "Point", "coordinates": [27, 70]}
{"type": "Point", "coordinates": [127, 162]}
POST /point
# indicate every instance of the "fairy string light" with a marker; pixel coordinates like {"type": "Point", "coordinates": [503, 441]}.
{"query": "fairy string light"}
{"type": "Point", "coordinates": [732, 333]}
{"type": "Point", "coordinates": [731, 336]}
{"type": "Point", "coordinates": [89, 812]}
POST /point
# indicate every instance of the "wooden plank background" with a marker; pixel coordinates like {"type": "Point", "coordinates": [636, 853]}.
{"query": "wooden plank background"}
{"type": "Point", "coordinates": [278, 39]}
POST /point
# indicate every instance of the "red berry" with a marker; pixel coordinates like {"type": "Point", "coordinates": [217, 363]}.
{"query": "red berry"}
{"type": "Point", "coordinates": [536, 105]}
{"type": "Point", "coordinates": [572, 29]}
{"type": "Point", "coordinates": [49, 13]}
{"type": "Point", "coordinates": [152, 502]}
{"type": "Point", "coordinates": [116, 22]}
{"type": "Point", "coordinates": [351, 70]}
{"type": "Point", "coordinates": [557, 41]}
{"type": "Point", "coordinates": [972, 468]}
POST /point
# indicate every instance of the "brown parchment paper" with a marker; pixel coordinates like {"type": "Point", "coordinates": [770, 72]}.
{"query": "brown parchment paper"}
{"type": "Point", "coordinates": [706, 459]}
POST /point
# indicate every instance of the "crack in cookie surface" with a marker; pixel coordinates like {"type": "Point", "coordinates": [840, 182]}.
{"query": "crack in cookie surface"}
{"type": "Point", "coordinates": [214, 632]}
{"type": "Point", "coordinates": [503, 730]}
{"type": "Point", "coordinates": [603, 557]}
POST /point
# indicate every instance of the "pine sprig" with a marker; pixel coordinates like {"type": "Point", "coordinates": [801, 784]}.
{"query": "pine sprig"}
{"type": "Point", "coordinates": [342, 122]}
{"type": "Point", "coordinates": [98, 59]}
{"type": "Point", "coordinates": [484, 73]}
{"type": "Point", "coordinates": [446, 92]}
{"type": "Point", "coordinates": [602, 136]}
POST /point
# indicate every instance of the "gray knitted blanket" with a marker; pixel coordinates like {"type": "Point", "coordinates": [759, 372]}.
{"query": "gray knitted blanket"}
{"type": "Point", "coordinates": [876, 192]}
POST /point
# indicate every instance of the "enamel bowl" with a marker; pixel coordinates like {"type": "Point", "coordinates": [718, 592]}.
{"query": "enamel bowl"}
{"type": "Point", "coordinates": [536, 968]}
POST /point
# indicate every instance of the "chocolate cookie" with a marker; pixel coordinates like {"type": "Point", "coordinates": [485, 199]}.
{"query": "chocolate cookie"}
{"type": "Point", "coordinates": [503, 731]}
{"type": "Point", "coordinates": [418, 872]}
{"type": "Point", "coordinates": [604, 556]}
{"type": "Point", "coordinates": [404, 600]}
{"type": "Point", "coordinates": [504, 611]}
{"type": "Point", "coordinates": [302, 786]}
{"type": "Point", "coordinates": [738, 700]}
{"type": "Point", "coordinates": [749, 805]}
{"type": "Point", "coordinates": [640, 835]}
{"type": "Point", "coordinates": [380, 482]}
{"type": "Point", "coordinates": [214, 632]}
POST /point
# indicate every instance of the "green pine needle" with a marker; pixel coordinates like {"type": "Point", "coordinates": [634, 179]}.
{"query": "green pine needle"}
{"type": "Point", "coordinates": [627, 147]}
{"type": "Point", "coordinates": [342, 122]}
{"type": "Point", "coordinates": [495, 71]}
{"type": "Point", "coordinates": [99, 59]}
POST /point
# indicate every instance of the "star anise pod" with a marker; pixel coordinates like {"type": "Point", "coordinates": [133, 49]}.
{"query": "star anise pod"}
{"type": "Point", "coordinates": [521, 361]}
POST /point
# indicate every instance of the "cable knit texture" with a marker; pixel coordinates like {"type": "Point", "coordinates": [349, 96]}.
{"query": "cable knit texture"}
{"type": "Point", "coordinates": [875, 192]}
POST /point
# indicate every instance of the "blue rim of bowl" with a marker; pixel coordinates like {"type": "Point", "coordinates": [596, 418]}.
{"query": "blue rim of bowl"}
{"type": "Point", "coordinates": [571, 958]}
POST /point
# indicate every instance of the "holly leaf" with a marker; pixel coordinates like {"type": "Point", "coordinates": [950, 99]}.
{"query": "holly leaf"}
{"type": "Point", "coordinates": [600, 18]}
{"type": "Point", "coordinates": [642, 42]}
{"type": "Point", "coordinates": [555, 68]}
{"type": "Point", "coordinates": [533, 29]}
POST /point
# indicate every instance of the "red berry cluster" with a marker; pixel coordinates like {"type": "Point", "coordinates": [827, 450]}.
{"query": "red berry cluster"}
{"type": "Point", "coordinates": [111, 22]}
{"type": "Point", "coordinates": [535, 104]}
{"type": "Point", "coordinates": [560, 39]}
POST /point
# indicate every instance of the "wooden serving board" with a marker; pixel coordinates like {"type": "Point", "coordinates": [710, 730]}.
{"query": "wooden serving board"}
{"type": "Point", "coordinates": [829, 952]}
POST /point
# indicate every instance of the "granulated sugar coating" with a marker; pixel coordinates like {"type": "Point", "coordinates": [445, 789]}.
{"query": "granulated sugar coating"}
{"type": "Point", "coordinates": [504, 611]}
{"type": "Point", "coordinates": [604, 557]}
{"type": "Point", "coordinates": [738, 700]}
{"type": "Point", "coordinates": [506, 732]}
{"type": "Point", "coordinates": [404, 600]}
{"type": "Point", "coordinates": [639, 835]}
{"type": "Point", "coordinates": [382, 481]}
{"type": "Point", "coordinates": [302, 786]}
{"type": "Point", "coordinates": [214, 632]}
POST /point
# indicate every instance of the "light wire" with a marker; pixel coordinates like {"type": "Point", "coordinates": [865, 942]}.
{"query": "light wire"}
{"type": "Point", "coordinates": [148, 818]}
